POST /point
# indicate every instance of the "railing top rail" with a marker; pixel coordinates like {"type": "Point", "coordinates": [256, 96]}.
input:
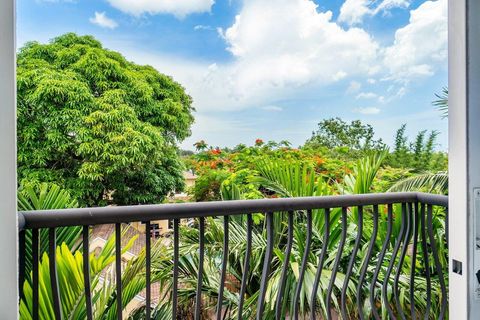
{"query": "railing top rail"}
{"type": "Point", "coordinates": [124, 214]}
{"type": "Point", "coordinates": [433, 199]}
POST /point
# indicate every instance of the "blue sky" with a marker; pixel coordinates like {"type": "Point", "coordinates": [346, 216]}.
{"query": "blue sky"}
{"type": "Point", "coordinates": [273, 69]}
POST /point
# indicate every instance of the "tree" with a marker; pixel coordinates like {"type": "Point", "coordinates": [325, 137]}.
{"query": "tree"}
{"type": "Point", "coordinates": [400, 151]}
{"type": "Point", "coordinates": [104, 128]}
{"type": "Point", "coordinates": [334, 133]}
{"type": "Point", "coordinates": [430, 182]}
{"type": "Point", "coordinates": [419, 154]}
{"type": "Point", "coordinates": [200, 145]}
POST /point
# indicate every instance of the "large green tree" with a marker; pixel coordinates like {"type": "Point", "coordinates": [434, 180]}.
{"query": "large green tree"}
{"type": "Point", "coordinates": [335, 133]}
{"type": "Point", "coordinates": [103, 127]}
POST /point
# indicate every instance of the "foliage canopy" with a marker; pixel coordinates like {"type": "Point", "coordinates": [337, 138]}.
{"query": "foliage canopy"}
{"type": "Point", "coordinates": [97, 124]}
{"type": "Point", "coordinates": [335, 133]}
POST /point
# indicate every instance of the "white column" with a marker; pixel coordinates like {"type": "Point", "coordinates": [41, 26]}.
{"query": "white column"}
{"type": "Point", "coordinates": [8, 182]}
{"type": "Point", "coordinates": [464, 157]}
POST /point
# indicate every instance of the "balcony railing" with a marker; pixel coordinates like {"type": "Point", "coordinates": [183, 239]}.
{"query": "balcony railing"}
{"type": "Point", "coordinates": [396, 234]}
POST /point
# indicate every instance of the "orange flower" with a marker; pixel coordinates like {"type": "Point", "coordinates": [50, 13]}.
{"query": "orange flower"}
{"type": "Point", "coordinates": [258, 142]}
{"type": "Point", "coordinates": [319, 161]}
{"type": "Point", "coordinates": [216, 151]}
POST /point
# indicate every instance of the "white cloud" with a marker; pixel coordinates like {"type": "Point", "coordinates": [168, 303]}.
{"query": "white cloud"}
{"type": "Point", "coordinates": [103, 21]}
{"type": "Point", "coordinates": [353, 12]}
{"type": "Point", "coordinates": [279, 51]}
{"type": "Point", "coordinates": [291, 44]}
{"type": "Point", "coordinates": [179, 8]}
{"type": "Point", "coordinates": [421, 45]}
{"type": "Point", "coordinates": [272, 108]}
{"type": "Point", "coordinates": [366, 95]}
{"type": "Point", "coordinates": [202, 27]}
{"type": "Point", "coordinates": [353, 87]}
{"type": "Point", "coordinates": [367, 110]}
{"type": "Point", "coordinates": [386, 5]}
{"type": "Point", "coordinates": [339, 75]}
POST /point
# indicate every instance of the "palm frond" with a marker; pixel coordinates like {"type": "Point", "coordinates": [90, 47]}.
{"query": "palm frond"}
{"type": "Point", "coordinates": [46, 197]}
{"type": "Point", "coordinates": [427, 182]}
{"type": "Point", "coordinates": [442, 102]}
{"type": "Point", "coordinates": [290, 179]}
{"type": "Point", "coordinates": [363, 176]}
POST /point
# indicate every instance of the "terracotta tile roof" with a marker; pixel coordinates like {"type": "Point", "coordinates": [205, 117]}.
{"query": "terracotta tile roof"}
{"type": "Point", "coordinates": [188, 175]}
{"type": "Point", "coordinates": [106, 230]}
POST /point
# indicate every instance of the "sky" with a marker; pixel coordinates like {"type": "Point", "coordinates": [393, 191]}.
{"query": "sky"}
{"type": "Point", "coordinates": [273, 69]}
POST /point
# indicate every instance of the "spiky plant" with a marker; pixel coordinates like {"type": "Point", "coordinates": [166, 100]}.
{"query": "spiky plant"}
{"type": "Point", "coordinates": [46, 197]}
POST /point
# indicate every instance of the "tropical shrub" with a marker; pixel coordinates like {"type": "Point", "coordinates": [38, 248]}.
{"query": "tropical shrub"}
{"type": "Point", "coordinates": [45, 197]}
{"type": "Point", "coordinates": [289, 179]}
{"type": "Point", "coordinates": [71, 282]}
{"type": "Point", "coordinates": [207, 186]}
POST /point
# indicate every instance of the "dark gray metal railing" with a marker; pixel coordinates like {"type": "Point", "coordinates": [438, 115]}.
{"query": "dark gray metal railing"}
{"type": "Point", "coordinates": [415, 225]}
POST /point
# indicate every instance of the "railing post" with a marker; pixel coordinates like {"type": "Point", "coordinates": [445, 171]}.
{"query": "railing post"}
{"type": "Point", "coordinates": [8, 187]}
{"type": "Point", "coordinates": [464, 157]}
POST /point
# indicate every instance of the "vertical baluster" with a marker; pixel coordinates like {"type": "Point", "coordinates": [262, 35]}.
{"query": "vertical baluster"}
{"type": "Point", "coordinates": [246, 267]}
{"type": "Point", "coordinates": [318, 274]}
{"type": "Point", "coordinates": [148, 263]}
{"type": "Point", "coordinates": [52, 254]}
{"type": "Point", "coordinates": [414, 262]}
{"type": "Point", "coordinates": [286, 265]}
{"type": "Point", "coordinates": [266, 267]}
{"type": "Point", "coordinates": [436, 259]}
{"type": "Point", "coordinates": [198, 299]}
{"type": "Point", "coordinates": [35, 261]}
{"type": "Point", "coordinates": [175, 268]}
{"type": "Point", "coordinates": [423, 230]}
{"type": "Point", "coordinates": [391, 265]}
{"type": "Point", "coordinates": [353, 257]}
{"type": "Point", "coordinates": [304, 265]}
{"type": "Point", "coordinates": [86, 273]}
{"type": "Point", "coordinates": [118, 268]}
{"type": "Point", "coordinates": [366, 262]}
{"type": "Point", "coordinates": [224, 268]}
{"type": "Point", "coordinates": [336, 263]}
{"type": "Point", "coordinates": [381, 256]}
{"type": "Point", "coordinates": [21, 263]}
{"type": "Point", "coordinates": [406, 240]}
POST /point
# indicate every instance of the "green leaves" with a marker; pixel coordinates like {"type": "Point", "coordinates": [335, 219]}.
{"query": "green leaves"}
{"type": "Point", "coordinates": [71, 284]}
{"type": "Point", "coordinates": [336, 133]}
{"type": "Point", "coordinates": [44, 197]}
{"type": "Point", "coordinates": [96, 124]}
{"type": "Point", "coordinates": [427, 182]}
{"type": "Point", "coordinates": [418, 155]}
{"type": "Point", "coordinates": [364, 173]}
{"type": "Point", "coordinates": [442, 102]}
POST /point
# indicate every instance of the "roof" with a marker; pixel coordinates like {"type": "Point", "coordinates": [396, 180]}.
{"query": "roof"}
{"type": "Point", "coordinates": [188, 175]}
